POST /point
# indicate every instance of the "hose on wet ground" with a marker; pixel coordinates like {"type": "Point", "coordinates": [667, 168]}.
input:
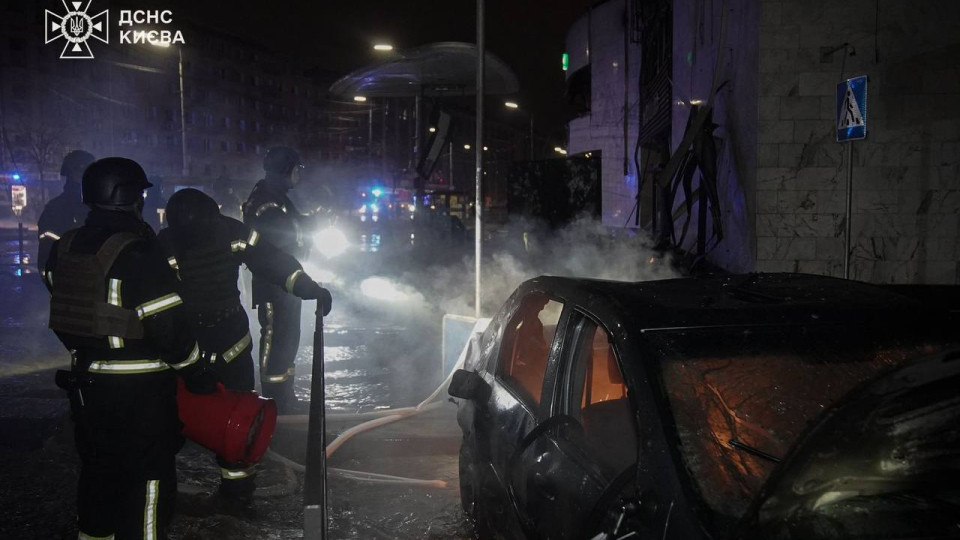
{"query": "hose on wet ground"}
{"type": "Point", "coordinates": [378, 419]}
{"type": "Point", "coordinates": [361, 476]}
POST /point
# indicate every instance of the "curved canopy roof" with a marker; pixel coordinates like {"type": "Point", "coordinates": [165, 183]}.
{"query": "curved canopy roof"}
{"type": "Point", "coordinates": [438, 69]}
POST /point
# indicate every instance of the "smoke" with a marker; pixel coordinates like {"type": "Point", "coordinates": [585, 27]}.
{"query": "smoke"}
{"type": "Point", "coordinates": [514, 253]}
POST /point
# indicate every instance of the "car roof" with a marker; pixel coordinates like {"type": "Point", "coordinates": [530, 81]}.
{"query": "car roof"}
{"type": "Point", "coordinates": [736, 300]}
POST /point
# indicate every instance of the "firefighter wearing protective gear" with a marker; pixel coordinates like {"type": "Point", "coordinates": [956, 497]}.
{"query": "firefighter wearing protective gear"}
{"type": "Point", "coordinates": [270, 212]}
{"type": "Point", "coordinates": [115, 307]}
{"type": "Point", "coordinates": [65, 211]}
{"type": "Point", "coordinates": [206, 250]}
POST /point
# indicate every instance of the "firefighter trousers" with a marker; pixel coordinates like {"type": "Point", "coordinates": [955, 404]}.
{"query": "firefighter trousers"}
{"type": "Point", "coordinates": [127, 433]}
{"type": "Point", "coordinates": [229, 339]}
{"type": "Point", "coordinates": [279, 341]}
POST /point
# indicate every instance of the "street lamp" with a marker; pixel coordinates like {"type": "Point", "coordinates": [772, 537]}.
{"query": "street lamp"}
{"type": "Point", "coordinates": [383, 47]}
{"type": "Point", "coordinates": [512, 105]}
{"type": "Point", "coordinates": [183, 107]}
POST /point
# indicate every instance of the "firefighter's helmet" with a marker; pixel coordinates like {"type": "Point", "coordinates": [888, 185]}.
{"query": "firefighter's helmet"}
{"type": "Point", "coordinates": [114, 182]}
{"type": "Point", "coordinates": [75, 163]}
{"type": "Point", "coordinates": [281, 160]}
{"type": "Point", "coordinates": [189, 207]}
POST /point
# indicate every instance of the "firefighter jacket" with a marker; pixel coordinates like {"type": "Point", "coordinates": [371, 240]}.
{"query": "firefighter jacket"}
{"type": "Point", "coordinates": [207, 263]}
{"type": "Point", "coordinates": [62, 213]}
{"type": "Point", "coordinates": [138, 325]}
{"type": "Point", "coordinates": [269, 211]}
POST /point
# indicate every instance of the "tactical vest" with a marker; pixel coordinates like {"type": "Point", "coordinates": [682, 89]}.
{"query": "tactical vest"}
{"type": "Point", "coordinates": [79, 305]}
{"type": "Point", "coordinates": [208, 274]}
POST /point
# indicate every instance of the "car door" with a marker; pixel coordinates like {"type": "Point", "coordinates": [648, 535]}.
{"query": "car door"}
{"type": "Point", "coordinates": [527, 350]}
{"type": "Point", "coordinates": [564, 467]}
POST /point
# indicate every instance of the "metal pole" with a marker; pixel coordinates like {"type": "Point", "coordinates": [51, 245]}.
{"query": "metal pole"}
{"type": "Point", "coordinates": [450, 144]}
{"type": "Point", "coordinates": [416, 128]}
{"type": "Point", "coordinates": [20, 234]}
{"type": "Point", "coordinates": [370, 132]}
{"type": "Point", "coordinates": [315, 482]}
{"type": "Point", "coordinates": [847, 241]}
{"type": "Point", "coordinates": [478, 203]}
{"type": "Point", "coordinates": [183, 115]}
{"type": "Point", "coordinates": [531, 136]}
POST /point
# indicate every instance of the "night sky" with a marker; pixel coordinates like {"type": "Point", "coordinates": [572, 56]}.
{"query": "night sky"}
{"type": "Point", "coordinates": [527, 34]}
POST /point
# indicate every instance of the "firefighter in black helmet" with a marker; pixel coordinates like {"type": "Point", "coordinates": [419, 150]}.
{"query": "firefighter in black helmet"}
{"type": "Point", "coordinates": [269, 211]}
{"type": "Point", "coordinates": [65, 211]}
{"type": "Point", "coordinates": [206, 250]}
{"type": "Point", "coordinates": [115, 307]}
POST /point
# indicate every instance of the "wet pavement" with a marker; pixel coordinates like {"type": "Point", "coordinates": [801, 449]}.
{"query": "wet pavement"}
{"type": "Point", "coordinates": [370, 365]}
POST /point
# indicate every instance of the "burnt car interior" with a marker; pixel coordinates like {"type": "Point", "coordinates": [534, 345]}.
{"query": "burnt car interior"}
{"type": "Point", "coordinates": [598, 398]}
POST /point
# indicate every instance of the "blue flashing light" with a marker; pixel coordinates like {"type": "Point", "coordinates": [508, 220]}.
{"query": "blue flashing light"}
{"type": "Point", "coordinates": [376, 192]}
{"type": "Point", "coordinates": [16, 176]}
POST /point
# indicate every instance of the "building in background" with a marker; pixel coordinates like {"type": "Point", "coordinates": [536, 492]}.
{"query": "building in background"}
{"type": "Point", "coordinates": [239, 99]}
{"type": "Point", "coordinates": [774, 194]}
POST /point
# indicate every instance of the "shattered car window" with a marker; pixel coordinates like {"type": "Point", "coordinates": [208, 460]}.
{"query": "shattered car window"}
{"type": "Point", "coordinates": [526, 345]}
{"type": "Point", "coordinates": [741, 398]}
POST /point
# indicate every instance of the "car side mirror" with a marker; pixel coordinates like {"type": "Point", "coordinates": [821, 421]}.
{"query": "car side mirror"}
{"type": "Point", "coordinates": [469, 385]}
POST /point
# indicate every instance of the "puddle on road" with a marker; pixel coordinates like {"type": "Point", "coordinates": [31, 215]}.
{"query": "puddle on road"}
{"type": "Point", "coordinates": [372, 369]}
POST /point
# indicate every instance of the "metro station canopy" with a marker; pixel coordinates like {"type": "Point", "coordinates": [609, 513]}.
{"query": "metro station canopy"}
{"type": "Point", "coordinates": [434, 70]}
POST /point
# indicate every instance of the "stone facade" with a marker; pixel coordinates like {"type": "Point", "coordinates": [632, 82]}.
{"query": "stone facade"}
{"type": "Point", "coordinates": [906, 185]}
{"type": "Point", "coordinates": [698, 39]}
{"type": "Point", "coordinates": [599, 41]}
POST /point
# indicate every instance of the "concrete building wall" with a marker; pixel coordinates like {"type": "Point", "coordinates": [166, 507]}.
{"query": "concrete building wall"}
{"type": "Point", "coordinates": [698, 39]}
{"type": "Point", "coordinates": [906, 195]}
{"type": "Point", "coordinates": [600, 40]}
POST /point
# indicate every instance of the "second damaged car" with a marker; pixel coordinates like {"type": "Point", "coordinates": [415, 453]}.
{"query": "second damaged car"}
{"type": "Point", "coordinates": [774, 406]}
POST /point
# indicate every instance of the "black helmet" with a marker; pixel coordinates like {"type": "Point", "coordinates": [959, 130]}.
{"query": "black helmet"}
{"type": "Point", "coordinates": [75, 162]}
{"type": "Point", "coordinates": [189, 207]}
{"type": "Point", "coordinates": [280, 161]}
{"type": "Point", "coordinates": [114, 182]}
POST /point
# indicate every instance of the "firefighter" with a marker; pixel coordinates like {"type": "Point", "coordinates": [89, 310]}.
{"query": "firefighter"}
{"type": "Point", "coordinates": [65, 211]}
{"type": "Point", "coordinates": [270, 212]}
{"type": "Point", "coordinates": [115, 308]}
{"type": "Point", "coordinates": [206, 250]}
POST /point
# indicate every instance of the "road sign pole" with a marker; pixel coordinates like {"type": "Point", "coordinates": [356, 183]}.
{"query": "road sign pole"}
{"type": "Point", "coordinates": [20, 232]}
{"type": "Point", "coordinates": [847, 244]}
{"type": "Point", "coordinates": [851, 126]}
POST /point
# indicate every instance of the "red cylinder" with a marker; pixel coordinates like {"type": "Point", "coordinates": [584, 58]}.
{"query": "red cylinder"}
{"type": "Point", "coordinates": [238, 426]}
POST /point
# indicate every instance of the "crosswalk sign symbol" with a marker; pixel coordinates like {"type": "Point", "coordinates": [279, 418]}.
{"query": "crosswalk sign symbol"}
{"type": "Point", "coordinates": [852, 109]}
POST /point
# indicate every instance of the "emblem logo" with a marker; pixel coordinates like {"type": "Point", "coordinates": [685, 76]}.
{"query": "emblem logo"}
{"type": "Point", "coordinates": [76, 27]}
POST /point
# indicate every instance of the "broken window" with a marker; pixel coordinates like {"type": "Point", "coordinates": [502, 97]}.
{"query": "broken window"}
{"type": "Point", "coordinates": [526, 346]}
{"type": "Point", "coordinates": [741, 398]}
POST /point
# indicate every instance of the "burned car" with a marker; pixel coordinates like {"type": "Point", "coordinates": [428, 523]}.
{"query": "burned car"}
{"type": "Point", "coordinates": [762, 406]}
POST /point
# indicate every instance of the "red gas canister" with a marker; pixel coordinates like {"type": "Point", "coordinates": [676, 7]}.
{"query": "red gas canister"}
{"type": "Point", "coordinates": [238, 426]}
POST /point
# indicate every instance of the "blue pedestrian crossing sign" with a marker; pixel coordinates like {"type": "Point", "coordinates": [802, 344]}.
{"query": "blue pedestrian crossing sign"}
{"type": "Point", "coordinates": [852, 109]}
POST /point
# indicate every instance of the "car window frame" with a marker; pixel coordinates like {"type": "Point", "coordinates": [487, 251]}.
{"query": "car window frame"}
{"type": "Point", "coordinates": [541, 411]}
{"type": "Point", "coordinates": [582, 324]}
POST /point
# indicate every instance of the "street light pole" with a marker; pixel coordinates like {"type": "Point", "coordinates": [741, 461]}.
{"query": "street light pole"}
{"type": "Point", "coordinates": [478, 203]}
{"type": "Point", "coordinates": [531, 136]}
{"type": "Point", "coordinates": [183, 114]}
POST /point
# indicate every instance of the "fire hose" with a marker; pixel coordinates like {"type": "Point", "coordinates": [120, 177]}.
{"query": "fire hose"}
{"type": "Point", "coordinates": [374, 420]}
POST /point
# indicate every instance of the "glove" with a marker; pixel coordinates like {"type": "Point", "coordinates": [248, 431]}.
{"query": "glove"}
{"type": "Point", "coordinates": [202, 381]}
{"type": "Point", "coordinates": [309, 289]}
